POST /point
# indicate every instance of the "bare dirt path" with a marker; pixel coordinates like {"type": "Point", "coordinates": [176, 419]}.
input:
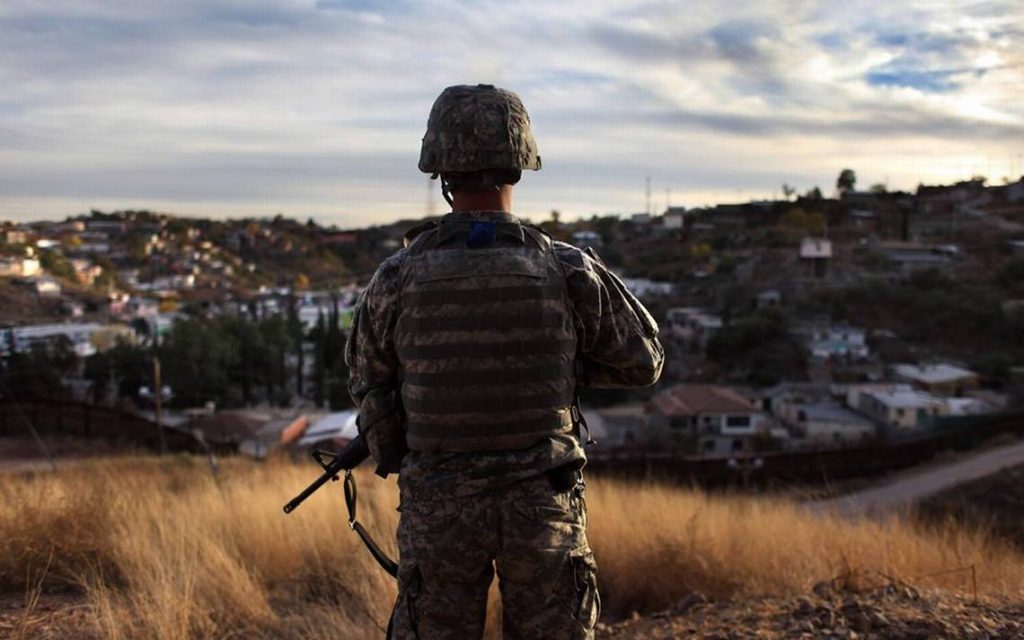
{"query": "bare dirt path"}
{"type": "Point", "coordinates": [917, 485]}
{"type": "Point", "coordinates": [22, 466]}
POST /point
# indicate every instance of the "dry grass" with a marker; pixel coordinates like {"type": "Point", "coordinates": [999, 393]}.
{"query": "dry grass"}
{"type": "Point", "coordinates": [160, 550]}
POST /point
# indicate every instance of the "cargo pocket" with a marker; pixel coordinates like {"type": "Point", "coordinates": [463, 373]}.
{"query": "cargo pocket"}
{"type": "Point", "coordinates": [587, 601]}
{"type": "Point", "coordinates": [405, 618]}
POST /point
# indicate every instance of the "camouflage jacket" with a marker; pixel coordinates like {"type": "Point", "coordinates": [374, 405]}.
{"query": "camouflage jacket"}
{"type": "Point", "coordinates": [618, 347]}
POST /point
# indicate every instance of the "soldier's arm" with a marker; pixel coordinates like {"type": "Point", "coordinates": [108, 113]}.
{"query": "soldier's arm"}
{"type": "Point", "coordinates": [373, 369]}
{"type": "Point", "coordinates": [618, 338]}
{"type": "Point", "coordinates": [370, 349]}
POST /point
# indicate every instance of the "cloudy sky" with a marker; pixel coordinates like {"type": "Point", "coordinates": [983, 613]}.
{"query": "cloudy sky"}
{"type": "Point", "coordinates": [316, 108]}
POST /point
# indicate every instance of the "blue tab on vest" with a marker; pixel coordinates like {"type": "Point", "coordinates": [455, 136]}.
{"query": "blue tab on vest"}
{"type": "Point", "coordinates": [481, 234]}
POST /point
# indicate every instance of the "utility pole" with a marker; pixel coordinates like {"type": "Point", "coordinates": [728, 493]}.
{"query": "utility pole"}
{"type": "Point", "coordinates": [157, 400]}
{"type": "Point", "coordinates": [648, 195]}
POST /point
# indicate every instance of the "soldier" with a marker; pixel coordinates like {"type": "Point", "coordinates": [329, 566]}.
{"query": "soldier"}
{"type": "Point", "coordinates": [467, 351]}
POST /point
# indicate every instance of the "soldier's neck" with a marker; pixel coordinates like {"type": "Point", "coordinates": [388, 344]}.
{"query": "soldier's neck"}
{"type": "Point", "coordinates": [500, 200]}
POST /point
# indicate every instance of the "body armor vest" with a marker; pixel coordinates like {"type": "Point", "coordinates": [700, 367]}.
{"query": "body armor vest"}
{"type": "Point", "coordinates": [486, 341]}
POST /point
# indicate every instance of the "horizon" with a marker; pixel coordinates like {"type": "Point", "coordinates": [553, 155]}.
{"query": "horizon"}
{"type": "Point", "coordinates": [212, 110]}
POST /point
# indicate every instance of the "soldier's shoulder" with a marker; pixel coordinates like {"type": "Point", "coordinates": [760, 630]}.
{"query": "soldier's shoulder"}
{"type": "Point", "coordinates": [578, 259]}
{"type": "Point", "coordinates": [570, 255]}
{"type": "Point", "coordinates": [389, 271]}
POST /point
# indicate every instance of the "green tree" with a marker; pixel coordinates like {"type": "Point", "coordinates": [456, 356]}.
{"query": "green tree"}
{"type": "Point", "coordinates": [814, 194]}
{"type": "Point", "coordinates": [319, 337]}
{"type": "Point", "coordinates": [57, 265]}
{"type": "Point", "coordinates": [846, 181]}
{"type": "Point", "coordinates": [797, 223]}
{"type": "Point", "coordinates": [297, 335]}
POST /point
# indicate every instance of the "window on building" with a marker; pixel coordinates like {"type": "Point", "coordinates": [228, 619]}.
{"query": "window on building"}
{"type": "Point", "coordinates": [737, 421]}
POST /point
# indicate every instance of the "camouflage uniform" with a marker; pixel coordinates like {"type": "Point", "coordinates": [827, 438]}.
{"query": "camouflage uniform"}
{"type": "Point", "coordinates": [463, 513]}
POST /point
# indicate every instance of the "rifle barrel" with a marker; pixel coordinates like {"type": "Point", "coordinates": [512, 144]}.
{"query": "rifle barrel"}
{"type": "Point", "coordinates": [354, 452]}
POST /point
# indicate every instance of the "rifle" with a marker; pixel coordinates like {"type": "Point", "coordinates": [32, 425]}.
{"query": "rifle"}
{"type": "Point", "coordinates": [333, 464]}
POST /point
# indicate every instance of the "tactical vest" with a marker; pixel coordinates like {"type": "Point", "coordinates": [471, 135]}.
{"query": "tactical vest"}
{"type": "Point", "coordinates": [486, 341]}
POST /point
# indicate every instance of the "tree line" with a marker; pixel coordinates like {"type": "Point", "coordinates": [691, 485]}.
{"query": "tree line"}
{"type": "Point", "coordinates": [238, 360]}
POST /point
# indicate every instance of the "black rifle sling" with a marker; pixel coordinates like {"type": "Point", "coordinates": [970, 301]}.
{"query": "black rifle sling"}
{"type": "Point", "coordinates": [378, 554]}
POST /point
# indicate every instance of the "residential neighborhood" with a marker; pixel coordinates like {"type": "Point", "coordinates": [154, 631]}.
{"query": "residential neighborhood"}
{"type": "Point", "coordinates": [795, 325]}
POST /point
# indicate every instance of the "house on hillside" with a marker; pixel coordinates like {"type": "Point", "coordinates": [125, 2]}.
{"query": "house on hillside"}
{"type": "Point", "coordinates": [587, 238]}
{"type": "Point", "coordinates": [645, 287]}
{"type": "Point", "coordinates": [13, 236]}
{"type": "Point", "coordinates": [19, 267]}
{"type": "Point", "coordinates": [77, 334]}
{"type": "Point", "coordinates": [940, 378]}
{"type": "Point", "coordinates": [624, 425]}
{"type": "Point", "coordinates": [908, 257]}
{"type": "Point", "coordinates": [715, 419]}
{"type": "Point", "coordinates": [816, 253]}
{"type": "Point", "coordinates": [43, 286]}
{"type": "Point", "coordinates": [694, 326]}
{"type": "Point", "coordinates": [822, 422]}
{"type": "Point", "coordinates": [769, 299]}
{"type": "Point", "coordinates": [900, 405]}
{"type": "Point", "coordinates": [674, 218]}
{"type": "Point", "coordinates": [833, 344]}
{"type": "Point", "coordinates": [85, 270]}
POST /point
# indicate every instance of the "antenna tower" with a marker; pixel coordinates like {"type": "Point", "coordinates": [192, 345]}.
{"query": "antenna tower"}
{"type": "Point", "coordinates": [648, 195]}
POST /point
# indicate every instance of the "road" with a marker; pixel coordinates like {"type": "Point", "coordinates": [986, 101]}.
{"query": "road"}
{"type": "Point", "coordinates": [22, 466]}
{"type": "Point", "coordinates": [914, 486]}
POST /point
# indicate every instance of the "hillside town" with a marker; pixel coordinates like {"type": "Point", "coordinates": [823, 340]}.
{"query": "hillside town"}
{"type": "Point", "coordinates": [805, 323]}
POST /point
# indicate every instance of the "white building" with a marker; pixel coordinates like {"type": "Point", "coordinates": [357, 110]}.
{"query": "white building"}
{"type": "Point", "coordinates": [587, 238]}
{"type": "Point", "coordinates": [45, 286]}
{"type": "Point", "coordinates": [19, 267]}
{"type": "Point", "coordinates": [644, 287]}
{"type": "Point", "coordinates": [78, 334]}
{"type": "Point", "coordinates": [825, 423]}
{"type": "Point", "coordinates": [939, 378]}
{"type": "Point", "coordinates": [815, 249]}
{"type": "Point", "coordinates": [693, 325]}
{"type": "Point", "coordinates": [720, 420]}
{"type": "Point", "coordinates": [839, 342]}
{"type": "Point", "coordinates": [674, 218]}
{"type": "Point", "coordinates": [901, 406]}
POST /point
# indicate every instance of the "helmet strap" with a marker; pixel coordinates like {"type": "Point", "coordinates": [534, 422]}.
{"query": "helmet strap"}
{"type": "Point", "coordinates": [446, 192]}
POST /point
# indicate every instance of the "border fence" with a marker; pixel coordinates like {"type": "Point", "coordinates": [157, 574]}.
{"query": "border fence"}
{"type": "Point", "coordinates": [807, 467]}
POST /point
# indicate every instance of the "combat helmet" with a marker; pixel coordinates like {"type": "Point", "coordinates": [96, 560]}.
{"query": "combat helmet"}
{"type": "Point", "coordinates": [480, 134]}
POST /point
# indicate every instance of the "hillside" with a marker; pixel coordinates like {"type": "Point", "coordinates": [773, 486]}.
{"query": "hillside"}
{"type": "Point", "coordinates": [996, 502]}
{"type": "Point", "coordinates": [162, 550]}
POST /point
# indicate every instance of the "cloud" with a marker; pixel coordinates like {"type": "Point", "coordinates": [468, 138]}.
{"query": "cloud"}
{"type": "Point", "coordinates": [306, 107]}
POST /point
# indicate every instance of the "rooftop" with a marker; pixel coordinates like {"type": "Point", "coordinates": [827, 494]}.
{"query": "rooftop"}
{"type": "Point", "coordinates": [695, 399]}
{"type": "Point", "coordinates": [933, 373]}
{"type": "Point", "coordinates": [906, 398]}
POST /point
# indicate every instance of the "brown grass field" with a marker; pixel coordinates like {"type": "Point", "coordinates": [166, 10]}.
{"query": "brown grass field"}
{"type": "Point", "coordinates": [155, 548]}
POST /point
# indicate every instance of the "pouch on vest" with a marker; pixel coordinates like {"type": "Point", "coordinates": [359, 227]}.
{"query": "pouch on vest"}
{"type": "Point", "coordinates": [381, 422]}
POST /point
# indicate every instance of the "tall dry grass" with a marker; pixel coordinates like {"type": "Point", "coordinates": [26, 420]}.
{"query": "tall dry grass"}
{"type": "Point", "coordinates": [161, 550]}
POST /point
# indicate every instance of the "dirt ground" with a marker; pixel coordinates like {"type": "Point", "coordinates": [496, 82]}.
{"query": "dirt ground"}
{"type": "Point", "coordinates": [889, 612]}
